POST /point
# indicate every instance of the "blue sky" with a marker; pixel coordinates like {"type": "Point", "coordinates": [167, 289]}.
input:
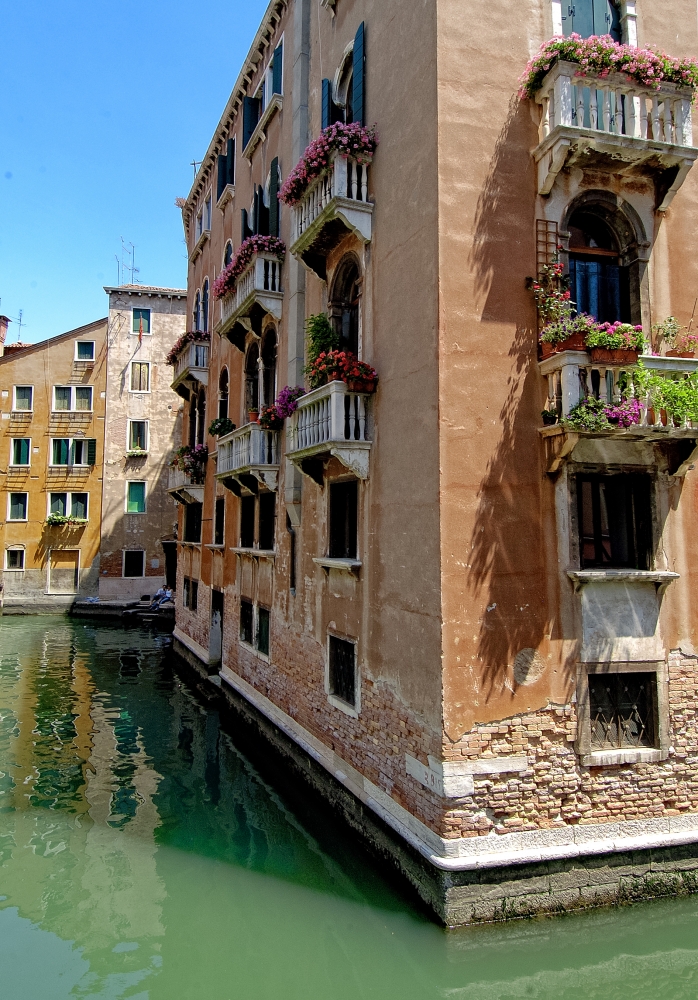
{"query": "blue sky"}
{"type": "Point", "coordinates": [103, 106]}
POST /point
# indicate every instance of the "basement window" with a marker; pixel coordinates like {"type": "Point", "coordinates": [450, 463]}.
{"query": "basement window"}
{"type": "Point", "coordinates": [246, 622]}
{"type": "Point", "coordinates": [623, 711]}
{"type": "Point", "coordinates": [342, 673]}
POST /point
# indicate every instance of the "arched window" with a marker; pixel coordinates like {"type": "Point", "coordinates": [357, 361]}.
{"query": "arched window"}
{"type": "Point", "coordinates": [252, 377]}
{"type": "Point", "coordinates": [599, 282]}
{"type": "Point", "coordinates": [591, 17]}
{"type": "Point", "coordinates": [345, 91]}
{"type": "Point", "coordinates": [204, 307]}
{"type": "Point", "coordinates": [201, 418]}
{"type": "Point", "coordinates": [197, 310]}
{"type": "Point", "coordinates": [223, 394]}
{"type": "Point", "coordinates": [344, 304]}
{"type": "Point", "coordinates": [192, 420]}
{"type": "Point", "coordinates": [269, 361]}
{"type": "Point", "coordinates": [228, 255]}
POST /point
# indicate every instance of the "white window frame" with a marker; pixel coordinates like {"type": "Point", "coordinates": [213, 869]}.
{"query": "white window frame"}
{"type": "Point", "coordinates": [13, 465]}
{"type": "Point", "coordinates": [123, 564]}
{"type": "Point", "coordinates": [73, 398]}
{"type": "Point", "coordinates": [14, 398]}
{"type": "Point", "coordinates": [199, 225]}
{"type": "Point", "coordinates": [208, 211]}
{"type": "Point", "coordinates": [131, 450]}
{"type": "Point", "coordinates": [17, 520]}
{"type": "Point", "coordinates": [71, 444]}
{"type": "Point", "coordinates": [134, 333]}
{"type": "Point", "coordinates": [68, 501]}
{"type": "Point", "coordinates": [136, 513]}
{"type": "Point", "coordinates": [139, 392]}
{"type": "Point", "coordinates": [15, 569]}
{"type": "Point", "coordinates": [94, 350]}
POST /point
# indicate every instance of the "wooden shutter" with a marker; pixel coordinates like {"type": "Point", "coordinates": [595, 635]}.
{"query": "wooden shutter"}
{"type": "Point", "coordinates": [230, 160]}
{"type": "Point", "coordinates": [277, 69]}
{"type": "Point", "coordinates": [326, 103]}
{"type": "Point", "coordinates": [359, 76]}
{"type": "Point", "coordinates": [274, 198]}
{"type": "Point", "coordinates": [246, 229]}
{"type": "Point", "coordinates": [91, 451]}
{"type": "Point", "coordinates": [222, 175]}
{"type": "Point", "coordinates": [250, 117]}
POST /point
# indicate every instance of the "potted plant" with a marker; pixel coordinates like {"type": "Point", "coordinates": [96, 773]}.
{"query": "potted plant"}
{"type": "Point", "coordinates": [354, 139]}
{"type": "Point", "coordinates": [359, 376]}
{"type": "Point", "coordinates": [565, 334]}
{"type": "Point", "coordinates": [269, 419]}
{"type": "Point", "coordinates": [192, 461]}
{"type": "Point", "coordinates": [253, 416]}
{"type": "Point", "coordinates": [615, 343]}
{"type": "Point", "coordinates": [58, 520]}
{"type": "Point", "coordinates": [287, 400]}
{"type": "Point", "coordinates": [190, 337]}
{"type": "Point", "coordinates": [226, 281]}
{"type": "Point", "coordinates": [221, 426]}
{"type": "Point", "coordinates": [677, 339]}
{"type": "Point", "coordinates": [549, 417]}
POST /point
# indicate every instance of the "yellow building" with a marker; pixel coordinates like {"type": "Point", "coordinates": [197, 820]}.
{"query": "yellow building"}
{"type": "Point", "coordinates": [52, 402]}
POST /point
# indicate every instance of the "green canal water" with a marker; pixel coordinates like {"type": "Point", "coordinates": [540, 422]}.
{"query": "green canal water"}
{"type": "Point", "coordinates": [142, 855]}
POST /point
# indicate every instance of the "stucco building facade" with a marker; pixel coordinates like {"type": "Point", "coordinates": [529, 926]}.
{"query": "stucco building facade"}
{"type": "Point", "coordinates": [482, 627]}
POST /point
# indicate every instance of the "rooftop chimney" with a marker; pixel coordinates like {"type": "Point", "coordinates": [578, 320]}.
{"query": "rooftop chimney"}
{"type": "Point", "coordinates": [4, 320]}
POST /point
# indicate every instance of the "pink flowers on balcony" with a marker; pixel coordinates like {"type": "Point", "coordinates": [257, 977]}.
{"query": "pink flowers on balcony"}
{"type": "Point", "coordinates": [355, 140]}
{"type": "Point", "coordinates": [602, 55]}
{"type": "Point", "coordinates": [191, 337]}
{"type": "Point", "coordinates": [225, 282]}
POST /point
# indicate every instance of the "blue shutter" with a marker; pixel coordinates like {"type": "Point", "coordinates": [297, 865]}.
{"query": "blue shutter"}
{"type": "Point", "coordinates": [250, 117]}
{"type": "Point", "coordinates": [277, 70]}
{"type": "Point", "coordinates": [222, 175]}
{"type": "Point", "coordinates": [230, 160]}
{"type": "Point", "coordinates": [326, 103]}
{"type": "Point", "coordinates": [359, 76]}
{"type": "Point", "coordinates": [24, 451]}
{"type": "Point", "coordinates": [245, 230]}
{"type": "Point", "coordinates": [274, 198]}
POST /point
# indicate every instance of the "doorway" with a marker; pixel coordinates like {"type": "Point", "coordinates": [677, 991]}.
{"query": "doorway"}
{"type": "Point", "coordinates": [64, 571]}
{"type": "Point", "coordinates": [215, 640]}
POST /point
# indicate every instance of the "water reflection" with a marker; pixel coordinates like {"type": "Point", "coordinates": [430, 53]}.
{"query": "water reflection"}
{"type": "Point", "coordinates": [141, 855]}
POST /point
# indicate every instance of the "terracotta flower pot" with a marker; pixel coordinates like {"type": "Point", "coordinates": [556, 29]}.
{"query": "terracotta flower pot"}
{"type": "Point", "coordinates": [573, 343]}
{"type": "Point", "coordinates": [361, 385]}
{"type": "Point", "coordinates": [614, 356]}
{"type": "Point", "coordinates": [253, 416]}
{"type": "Point", "coordinates": [681, 354]}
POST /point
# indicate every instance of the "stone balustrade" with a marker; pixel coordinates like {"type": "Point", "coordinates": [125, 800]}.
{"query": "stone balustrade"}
{"type": "Point", "coordinates": [331, 420]}
{"type": "Point", "coordinates": [184, 487]}
{"type": "Point", "coordinates": [191, 365]}
{"type": "Point", "coordinates": [249, 451]}
{"type": "Point", "coordinates": [261, 282]}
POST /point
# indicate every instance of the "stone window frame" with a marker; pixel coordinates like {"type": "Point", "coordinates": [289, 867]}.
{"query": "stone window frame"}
{"type": "Point", "coordinates": [256, 607]}
{"type": "Point", "coordinates": [606, 758]}
{"type": "Point", "coordinates": [20, 465]}
{"type": "Point", "coordinates": [15, 569]}
{"type": "Point", "coordinates": [123, 565]}
{"type": "Point", "coordinates": [14, 398]}
{"type": "Point", "coordinates": [351, 710]}
{"type": "Point", "coordinates": [17, 520]}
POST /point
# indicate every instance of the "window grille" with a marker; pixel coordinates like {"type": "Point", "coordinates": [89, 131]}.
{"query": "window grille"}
{"type": "Point", "coordinates": [547, 241]}
{"type": "Point", "coordinates": [623, 710]}
{"type": "Point", "coordinates": [342, 670]}
{"type": "Point", "coordinates": [246, 622]}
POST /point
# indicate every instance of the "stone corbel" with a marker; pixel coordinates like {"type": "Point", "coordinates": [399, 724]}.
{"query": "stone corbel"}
{"type": "Point", "coordinates": [550, 164]}
{"type": "Point", "coordinates": [353, 459]}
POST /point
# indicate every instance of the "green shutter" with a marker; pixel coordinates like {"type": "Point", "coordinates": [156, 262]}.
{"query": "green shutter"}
{"type": "Point", "coordinates": [18, 506]}
{"type": "Point", "coordinates": [230, 160]}
{"type": "Point", "coordinates": [359, 76]}
{"type": "Point", "coordinates": [78, 505]}
{"type": "Point", "coordinates": [326, 103]}
{"type": "Point", "coordinates": [277, 70]}
{"type": "Point", "coordinates": [20, 448]}
{"type": "Point", "coordinates": [246, 231]}
{"type": "Point", "coordinates": [61, 451]}
{"type": "Point", "coordinates": [250, 117]}
{"type": "Point", "coordinates": [222, 175]}
{"type": "Point", "coordinates": [274, 198]}
{"type": "Point", "coordinates": [135, 501]}
{"type": "Point", "coordinates": [91, 451]}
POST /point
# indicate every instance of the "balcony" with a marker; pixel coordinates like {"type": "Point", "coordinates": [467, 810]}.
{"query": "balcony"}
{"type": "Point", "coordinates": [335, 203]}
{"type": "Point", "coordinates": [191, 367]}
{"type": "Point", "coordinates": [257, 287]}
{"type": "Point", "coordinates": [247, 457]}
{"type": "Point", "coordinates": [184, 487]}
{"type": "Point", "coordinates": [572, 376]}
{"type": "Point", "coordinates": [330, 422]}
{"type": "Point", "coordinates": [610, 123]}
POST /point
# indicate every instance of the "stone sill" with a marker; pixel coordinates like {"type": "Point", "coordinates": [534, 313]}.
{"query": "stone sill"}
{"type": "Point", "coordinates": [21, 414]}
{"type": "Point", "coordinates": [256, 553]}
{"type": "Point", "coordinates": [57, 414]}
{"type": "Point", "coordinates": [227, 195]}
{"type": "Point", "coordinates": [215, 548]}
{"type": "Point", "coordinates": [254, 650]}
{"type": "Point", "coordinates": [260, 132]}
{"type": "Point", "coordinates": [610, 758]}
{"type": "Point", "coordinates": [348, 565]}
{"type": "Point", "coordinates": [136, 454]}
{"type": "Point", "coordinates": [199, 245]}
{"type": "Point", "coordinates": [582, 577]}
{"type": "Point", "coordinates": [191, 545]}
{"type": "Point", "coordinates": [343, 706]}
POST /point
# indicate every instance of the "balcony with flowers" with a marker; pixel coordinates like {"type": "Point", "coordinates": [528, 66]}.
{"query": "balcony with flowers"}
{"type": "Point", "coordinates": [605, 105]}
{"type": "Point", "coordinates": [250, 456]}
{"type": "Point", "coordinates": [189, 357]}
{"type": "Point", "coordinates": [328, 192]}
{"type": "Point", "coordinates": [251, 281]}
{"type": "Point", "coordinates": [187, 474]}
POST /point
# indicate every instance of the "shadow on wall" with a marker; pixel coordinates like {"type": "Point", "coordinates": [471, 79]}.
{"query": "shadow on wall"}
{"type": "Point", "coordinates": [508, 544]}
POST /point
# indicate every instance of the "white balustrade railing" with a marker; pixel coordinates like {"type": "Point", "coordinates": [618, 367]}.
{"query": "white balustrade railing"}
{"type": "Point", "coordinates": [263, 275]}
{"type": "Point", "coordinates": [345, 178]}
{"type": "Point", "coordinates": [177, 479]}
{"type": "Point", "coordinates": [328, 414]}
{"type": "Point", "coordinates": [250, 446]}
{"type": "Point", "coordinates": [614, 105]}
{"type": "Point", "coordinates": [191, 356]}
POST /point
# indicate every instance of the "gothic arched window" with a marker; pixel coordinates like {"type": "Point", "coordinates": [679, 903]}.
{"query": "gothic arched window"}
{"type": "Point", "coordinates": [223, 394]}
{"type": "Point", "coordinates": [197, 311]}
{"type": "Point", "coordinates": [252, 377]}
{"type": "Point", "coordinates": [204, 307]}
{"type": "Point", "coordinates": [269, 362]}
{"type": "Point", "coordinates": [344, 304]}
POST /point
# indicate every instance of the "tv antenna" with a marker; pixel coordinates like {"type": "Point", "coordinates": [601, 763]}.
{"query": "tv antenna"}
{"type": "Point", "coordinates": [196, 164]}
{"type": "Point", "coordinates": [126, 266]}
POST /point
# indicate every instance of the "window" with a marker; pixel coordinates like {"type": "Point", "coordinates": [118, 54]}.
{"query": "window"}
{"type": "Point", "coordinates": [599, 284]}
{"type": "Point", "coordinates": [344, 304]}
{"type": "Point", "coordinates": [247, 512]}
{"type": "Point", "coordinates": [267, 513]}
{"type": "Point", "coordinates": [85, 350]}
{"type": "Point", "coordinates": [73, 451]}
{"type": "Point", "coordinates": [262, 634]}
{"type": "Point", "coordinates": [343, 500]}
{"type": "Point", "coordinates": [219, 523]}
{"type": "Point", "coordinates": [134, 562]}
{"type": "Point", "coordinates": [78, 505]}
{"type": "Point", "coordinates": [186, 586]}
{"type": "Point", "coordinates": [58, 503]}
{"type": "Point", "coordinates": [138, 435]}
{"type": "Point", "coordinates": [140, 376]}
{"type": "Point", "coordinates": [342, 673]}
{"type": "Point", "coordinates": [269, 365]}
{"type": "Point", "coordinates": [69, 504]}
{"type": "Point", "coordinates": [228, 255]}
{"type": "Point", "coordinates": [204, 307]}
{"type": "Point", "coordinates": [190, 594]}
{"type": "Point", "coordinates": [17, 506]}
{"type": "Point", "coordinates": [21, 448]}
{"type": "Point", "coordinates": [246, 621]}
{"type": "Point", "coordinates": [623, 710]}
{"type": "Point", "coordinates": [252, 378]}
{"type": "Point", "coordinates": [591, 17]}
{"type": "Point", "coordinates": [23, 397]}
{"type": "Point", "coordinates": [192, 522]}
{"type": "Point", "coordinates": [60, 454]}
{"type": "Point", "coordinates": [14, 559]}
{"type": "Point", "coordinates": [223, 395]}
{"type": "Point", "coordinates": [141, 321]}
{"type": "Point", "coordinates": [135, 498]}
{"type": "Point", "coordinates": [207, 214]}
{"type": "Point", "coordinates": [615, 521]}
{"type": "Point", "coordinates": [226, 174]}
{"type": "Point", "coordinates": [64, 399]}
{"type": "Point", "coordinates": [197, 311]}
{"type": "Point", "coordinates": [199, 226]}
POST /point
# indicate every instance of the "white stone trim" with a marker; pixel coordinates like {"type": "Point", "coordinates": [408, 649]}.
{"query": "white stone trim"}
{"type": "Point", "coordinates": [455, 779]}
{"type": "Point", "coordinates": [557, 16]}
{"type": "Point", "coordinates": [192, 645]}
{"type": "Point", "coordinates": [628, 21]}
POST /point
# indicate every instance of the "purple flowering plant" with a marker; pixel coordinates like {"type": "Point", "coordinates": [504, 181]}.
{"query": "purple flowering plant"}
{"type": "Point", "coordinates": [227, 279]}
{"type": "Point", "coordinates": [287, 400]}
{"type": "Point", "coordinates": [355, 140]}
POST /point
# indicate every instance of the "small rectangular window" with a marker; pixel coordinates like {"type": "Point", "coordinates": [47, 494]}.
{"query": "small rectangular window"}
{"type": "Point", "coordinates": [615, 521]}
{"type": "Point", "coordinates": [83, 397]}
{"type": "Point", "coordinates": [192, 522]}
{"type": "Point", "coordinates": [58, 503]}
{"type": "Point", "coordinates": [17, 507]}
{"type": "Point", "coordinates": [85, 350]}
{"type": "Point", "coordinates": [14, 559]}
{"type": "Point", "coordinates": [267, 511]}
{"type": "Point", "coordinates": [343, 670]}
{"type": "Point", "coordinates": [194, 595]}
{"type": "Point", "coordinates": [138, 435]}
{"type": "Point", "coordinates": [343, 519]}
{"type": "Point", "coordinates": [78, 452]}
{"type": "Point", "coordinates": [263, 630]}
{"type": "Point", "coordinates": [247, 505]}
{"type": "Point", "coordinates": [219, 524]}
{"type": "Point", "coordinates": [185, 592]}
{"type": "Point", "coordinates": [140, 376]}
{"type": "Point", "coordinates": [135, 498]}
{"type": "Point", "coordinates": [623, 710]}
{"type": "Point", "coordinates": [60, 451]}
{"type": "Point", "coordinates": [20, 451]}
{"type": "Point", "coordinates": [62, 397]}
{"type": "Point", "coordinates": [24, 397]}
{"type": "Point", "coordinates": [207, 213]}
{"type": "Point", "coordinates": [141, 321]}
{"type": "Point", "coordinates": [134, 562]}
{"type": "Point", "coordinates": [78, 505]}
{"type": "Point", "coordinates": [246, 621]}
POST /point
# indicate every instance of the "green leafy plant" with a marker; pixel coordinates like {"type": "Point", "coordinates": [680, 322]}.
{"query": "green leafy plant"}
{"type": "Point", "coordinates": [588, 415]}
{"type": "Point", "coordinates": [551, 292]}
{"type": "Point", "coordinates": [678, 396]}
{"type": "Point", "coordinates": [322, 337]}
{"type": "Point", "coordinates": [675, 336]}
{"type": "Point", "coordinates": [562, 329]}
{"type": "Point", "coordinates": [616, 336]}
{"type": "Point", "coordinates": [221, 426]}
{"type": "Point", "coordinates": [54, 520]}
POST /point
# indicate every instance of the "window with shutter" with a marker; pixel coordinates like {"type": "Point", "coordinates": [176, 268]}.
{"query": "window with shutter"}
{"type": "Point", "coordinates": [342, 669]}
{"type": "Point", "coordinates": [83, 397]}
{"type": "Point", "coordinates": [14, 559]}
{"type": "Point", "coordinates": [62, 397]}
{"type": "Point", "coordinates": [250, 117]}
{"type": "Point", "coordinates": [140, 376]}
{"type": "Point", "coordinates": [230, 160]}
{"type": "Point", "coordinates": [60, 451]}
{"type": "Point", "coordinates": [91, 450]}
{"type": "Point", "coordinates": [246, 228]}
{"type": "Point", "coordinates": [141, 316]}
{"type": "Point", "coordinates": [138, 435]}
{"type": "Point", "coordinates": [85, 350]}
{"type": "Point", "coordinates": [204, 308]}
{"type": "Point", "coordinates": [23, 397]}
{"type": "Point", "coordinates": [135, 498]}
{"type": "Point", "coordinates": [343, 501]}
{"type": "Point", "coordinates": [222, 176]}
{"type": "Point", "coordinates": [359, 76]}
{"type": "Point", "coordinates": [59, 503]}
{"type": "Point", "coordinates": [18, 506]}
{"type": "Point", "coordinates": [591, 17]}
{"type": "Point", "coordinates": [78, 505]}
{"type": "Point", "coordinates": [262, 636]}
{"type": "Point", "coordinates": [277, 70]}
{"type": "Point", "coordinates": [274, 198]}
{"type": "Point", "coordinates": [20, 451]}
